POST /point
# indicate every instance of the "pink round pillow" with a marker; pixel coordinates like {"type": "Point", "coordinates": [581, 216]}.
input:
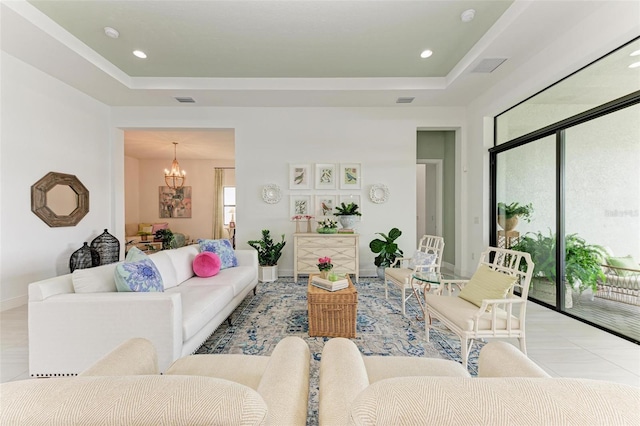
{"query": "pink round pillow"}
{"type": "Point", "coordinates": [206, 264]}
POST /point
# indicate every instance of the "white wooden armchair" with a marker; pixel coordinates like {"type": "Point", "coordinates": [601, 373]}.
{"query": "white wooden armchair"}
{"type": "Point", "coordinates": [488, 307]}
{"type": "Point", "coordinates": [399, 273]}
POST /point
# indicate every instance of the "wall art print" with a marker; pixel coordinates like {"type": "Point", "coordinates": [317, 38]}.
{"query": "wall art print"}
{"type": "Point", "coordinates": [326, 176]}
{"type": "Point", "coordinates": [300, 205]}
{"type": "Point", "coordinates": [300, 176]}
{"type": "Point", "coordinates": [350, 176]}
{"type": "Point", "coordinates": [175, 203]}
{"type": "Point", "coordinates": [325, 205]}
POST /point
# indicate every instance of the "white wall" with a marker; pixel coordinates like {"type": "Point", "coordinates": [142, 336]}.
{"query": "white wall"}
{"type": "Point", "coordinates": [382, 140]}
{"type": "Point", "coordinates": [47, 126]}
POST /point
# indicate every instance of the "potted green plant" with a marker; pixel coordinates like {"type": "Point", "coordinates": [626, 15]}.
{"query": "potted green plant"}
{"type": "Point", "coordinates": [347, 214]}
{"type": "Point", "coordinates": [387, 249]}
{"type": "Point", "coordinates": [508, 214]}
{"type": "Point", "coordinates": [582, 262]}
{"type": "Point", "coordinates": [268, 255]}
{"type": "Point", "coordinates": [144, 236]}
{"type": "Point", "coordinates": [166, 236]}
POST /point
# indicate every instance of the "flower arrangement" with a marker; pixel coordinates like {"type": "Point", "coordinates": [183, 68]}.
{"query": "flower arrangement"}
{"type": "Point", "coordinates": [324, 264]}
{"type": "Point", "coordinates": [328, 223]}
{"type": "Point", "coordinates": [302, 217]}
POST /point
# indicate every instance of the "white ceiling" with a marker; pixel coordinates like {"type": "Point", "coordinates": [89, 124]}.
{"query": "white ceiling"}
{"type": "Point", "coordinates": [279, 53]}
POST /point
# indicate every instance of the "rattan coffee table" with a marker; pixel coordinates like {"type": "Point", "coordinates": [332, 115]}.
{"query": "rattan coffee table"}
{"type": "Point", "coordinates": [332, 314]}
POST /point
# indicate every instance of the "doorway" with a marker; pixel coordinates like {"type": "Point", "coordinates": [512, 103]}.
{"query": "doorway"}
{"type": "Point", "coordinates": [428, 198]}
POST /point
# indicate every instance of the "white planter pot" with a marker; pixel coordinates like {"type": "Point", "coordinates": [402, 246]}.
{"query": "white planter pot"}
{"type": "Point", "coordinates": [347, 221]}
{"type": "Point", "coordinates": [267, 274]}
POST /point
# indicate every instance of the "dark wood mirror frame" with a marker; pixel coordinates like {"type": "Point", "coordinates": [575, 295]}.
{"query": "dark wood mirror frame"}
{"type": "Point", "coordinates": [39, 199]}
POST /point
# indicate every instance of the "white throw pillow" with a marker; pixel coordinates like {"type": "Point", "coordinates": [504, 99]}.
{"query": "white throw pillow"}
{"type": "Point", "coordinates": [94, 280]}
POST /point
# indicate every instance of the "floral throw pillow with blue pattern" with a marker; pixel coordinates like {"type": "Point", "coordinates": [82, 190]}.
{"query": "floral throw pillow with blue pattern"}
{"type": "Point", "coordinates": [138, 273]}
{"type": "Point", "coordinates": [223, 249]}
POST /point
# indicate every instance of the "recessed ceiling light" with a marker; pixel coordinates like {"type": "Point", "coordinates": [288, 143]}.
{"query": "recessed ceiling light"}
{"type": "Point", "coordinates": [140, 54]}
{"type": "Point", "coordinates": [634, 65]}
{"type": "Point", "coordinates": [111, 32]}
{"type": "Point", "coordinates": [467, 15]}
{"type": "Point", "coordinates": [636, 53]}
{"type": "Point", "coordinates": [426, 53]}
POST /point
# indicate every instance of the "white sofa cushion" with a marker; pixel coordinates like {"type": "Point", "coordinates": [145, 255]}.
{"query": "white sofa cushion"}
{"type": "Point", "coordinates": [200, 304]}
{"type": "Point", "coordinates": [182, 259]}
{"type": "Point", "coordinates": [164, 264]}
{"type": "Point", "coordinates": [94, 280]}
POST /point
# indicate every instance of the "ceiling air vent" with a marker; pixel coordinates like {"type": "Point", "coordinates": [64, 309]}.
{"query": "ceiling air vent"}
{"type": "Point", "coordinates": [185, 100]}
{"type": "Point", "coordinates": [406, 100]}
{"type": "Point", "coordinates": [488, 65]}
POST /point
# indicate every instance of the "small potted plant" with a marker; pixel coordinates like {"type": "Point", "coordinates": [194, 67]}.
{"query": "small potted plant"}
{"type": "Point", "coordinates": [327, 226]}
{"type": "Point", "coordinates": [347, 214]}
{"type": "Point", "coordinates": [386, 249]}
{"type": "Point", "coordinates": [166, 236]}
{"type": "Point", "coordinates": [508, 214]}
{"type": "Point", "coordinates": [268, 255]}
{"type": "Point", "coordinates": [144, 236]}
{"type": "Point", "coordinates": [325, 266]}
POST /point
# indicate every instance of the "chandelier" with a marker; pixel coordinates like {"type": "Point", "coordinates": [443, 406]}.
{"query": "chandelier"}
{"type": "Point", "coordinates": [175, 177]}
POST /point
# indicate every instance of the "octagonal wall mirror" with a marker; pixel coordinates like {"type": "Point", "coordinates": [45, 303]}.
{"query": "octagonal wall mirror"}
{"type": "Point", "coordinates": [59, 199]}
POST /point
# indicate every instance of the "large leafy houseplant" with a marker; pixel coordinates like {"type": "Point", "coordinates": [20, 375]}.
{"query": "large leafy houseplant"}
{"type": "Point", "coordinates": [268, 252]}
{"type": "Point", "coordinates": [582, 260]}
{"type": "Point", "coordinates": [387, 249]}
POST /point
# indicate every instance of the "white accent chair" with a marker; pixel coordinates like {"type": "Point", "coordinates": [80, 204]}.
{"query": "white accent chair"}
{"type": "Point", "coordinates": [505, 317]}
{"type": "Point", "coordinates": [400, 271]}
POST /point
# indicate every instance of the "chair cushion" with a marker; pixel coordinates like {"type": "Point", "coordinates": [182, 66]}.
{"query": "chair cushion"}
{"type": "Point", "coordinates": [486, 284]}
{"type": "Point", "coordinates": [206, 264]}
{"type": "Point", "coordinates": [399, 275]}
{"type": "Point", "coordinates": [626, 262]}
{"type": "Point", "coordinates": [461, 313]}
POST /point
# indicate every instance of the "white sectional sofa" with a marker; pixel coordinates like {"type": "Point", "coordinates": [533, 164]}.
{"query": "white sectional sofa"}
{"type": "Point", "coordinates": [75, 319]}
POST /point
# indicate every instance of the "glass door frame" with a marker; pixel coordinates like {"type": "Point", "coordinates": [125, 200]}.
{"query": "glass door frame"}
{"type": "Point", "coordinates": [559, 130]}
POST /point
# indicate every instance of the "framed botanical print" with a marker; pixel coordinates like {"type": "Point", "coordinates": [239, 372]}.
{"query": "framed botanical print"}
{"type": "Point", "coordinates": [300, 205]}
{"type": "Point", "coordinates": [350, 176]}
{"type": "Point", "coordinates": [299, 176]}
{"type": "Point", "coordinates": [325, 205]}
{"type": "Point", "coordinates": [325, 176]}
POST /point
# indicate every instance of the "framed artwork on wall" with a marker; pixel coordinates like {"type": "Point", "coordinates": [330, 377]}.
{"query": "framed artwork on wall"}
{"type": "Point", "coordinates": [299, 176]}
{"type": "Point", "coordinates": [325, 205]}
{"type": "Point", "coordinates": [300, 205]}
{"type": "Point", "coordinates": [326, 176]}
{"type": "Point", "coordinates": [350, 176]}
{"type": "Point", "coordinates": [174, 203]}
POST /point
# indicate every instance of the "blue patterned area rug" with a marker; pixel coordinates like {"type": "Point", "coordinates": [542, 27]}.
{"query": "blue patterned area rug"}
{"type": "Point", "coordinates": [279, 309]}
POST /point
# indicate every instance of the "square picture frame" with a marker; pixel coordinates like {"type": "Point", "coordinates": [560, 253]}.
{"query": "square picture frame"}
{"type": "Point", "coordinates": [325, 176]}
{"type": "Point", "coordinates": [325, 205]}
{"type": "Point", "coordinates": [300, 205]}
{"type": "Point", "coordinates": [300, 176]}
{"type": "Point", "coordinates": [350, 175]}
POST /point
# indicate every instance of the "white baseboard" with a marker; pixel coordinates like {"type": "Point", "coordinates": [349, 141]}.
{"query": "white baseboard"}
{"type": "Point", "coordinates": [16, 302]}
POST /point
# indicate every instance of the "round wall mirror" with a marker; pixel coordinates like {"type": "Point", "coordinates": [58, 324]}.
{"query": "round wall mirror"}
{"type": "Point", "coordinates": [59, 199]}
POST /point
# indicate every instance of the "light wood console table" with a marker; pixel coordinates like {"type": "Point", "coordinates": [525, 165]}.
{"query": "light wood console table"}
{"type": "Point", "coordinates": [341, 248]}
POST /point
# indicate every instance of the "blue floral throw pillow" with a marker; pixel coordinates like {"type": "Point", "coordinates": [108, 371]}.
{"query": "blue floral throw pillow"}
{"type": "Point", "coordinates": [138, 273]}
{"type": "Point", "coordinates": [223, 249]}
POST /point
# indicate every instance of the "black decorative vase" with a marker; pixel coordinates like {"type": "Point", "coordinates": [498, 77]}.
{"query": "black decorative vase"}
{"type": "Point", "coordinates": [84, 257]}
{"type": "Point", "coordinates": [107, 246]}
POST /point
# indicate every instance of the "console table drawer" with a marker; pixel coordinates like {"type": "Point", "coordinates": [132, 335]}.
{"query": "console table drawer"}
{"type": "Point", "coordinates": [342, 249]}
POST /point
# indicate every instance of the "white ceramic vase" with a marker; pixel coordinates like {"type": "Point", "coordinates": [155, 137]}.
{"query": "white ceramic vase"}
{"type": "Point", "coordinates": [347, 221]}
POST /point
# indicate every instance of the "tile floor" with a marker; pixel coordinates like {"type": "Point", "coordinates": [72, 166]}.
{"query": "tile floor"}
{"type": "Point", "coordinates": [560, 345]}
